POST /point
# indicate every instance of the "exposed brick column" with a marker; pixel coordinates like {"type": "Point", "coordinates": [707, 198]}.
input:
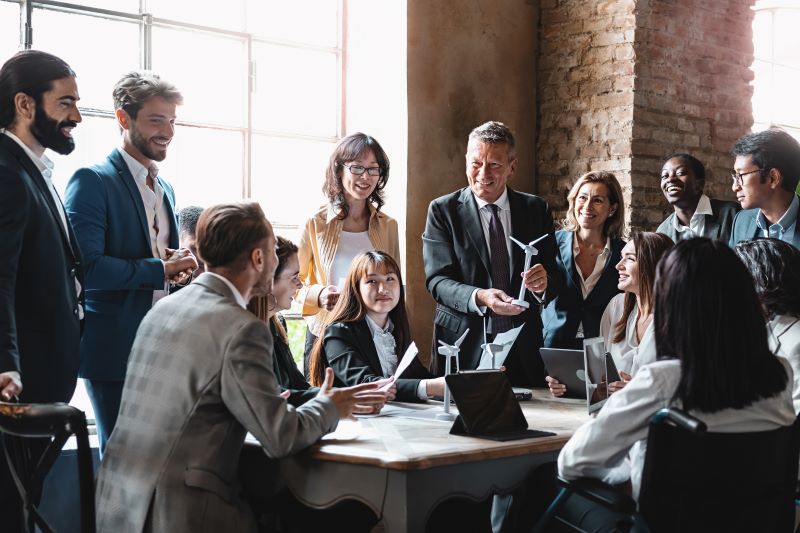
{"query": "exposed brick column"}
{"type": "Point", "coordinates": [624, 83]}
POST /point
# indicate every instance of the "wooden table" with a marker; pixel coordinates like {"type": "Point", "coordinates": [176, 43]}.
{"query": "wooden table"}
{"type": "Point", "coordinates": [402, 468]}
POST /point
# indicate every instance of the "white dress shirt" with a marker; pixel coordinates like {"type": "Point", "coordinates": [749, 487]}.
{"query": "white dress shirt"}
{"type": "Point", "coordinates": [697, 224]}
{"type": "Point", "coordinates": [784, 341]}
{"type": "Point", "coordinates": [386, 346]}
{"type": "Point", "coordinates": [236, 294]}
{"type": "Point", "coordinates": [629, 354]}
{"type": "Point", "coordinates": [155, 209]}
{"type": "Point", "coordinates": [351, 244]}
{"type": "Point", "coordinates": [612, 446]}
{"type": "Point", "coordinates": [588, 284]}
{"type": "Point", "coordinates": [45, 166]}
{"type": "Point", "coordinates": [504, 213]}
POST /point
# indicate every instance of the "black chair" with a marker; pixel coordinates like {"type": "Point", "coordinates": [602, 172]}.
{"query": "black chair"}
{"type": "Point", "coordinates": [19, 424]}
{"type": "Point", "coordinates": [694, 480]}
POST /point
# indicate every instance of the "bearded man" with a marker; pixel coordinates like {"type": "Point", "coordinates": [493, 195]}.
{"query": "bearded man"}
{"type": "Point", "coordinates": [124, 217]}
{"type": "Point", "coordinates": [40, 265]}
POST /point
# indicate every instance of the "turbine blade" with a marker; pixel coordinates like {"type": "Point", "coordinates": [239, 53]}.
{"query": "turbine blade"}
{"type": "Point", "coordinates": [520, 244]}
{"type": "Point", "coordinates": [461, 339]}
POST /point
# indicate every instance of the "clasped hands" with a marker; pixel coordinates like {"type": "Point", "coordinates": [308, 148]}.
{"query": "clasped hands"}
{"type": "Point", "coordinates": [179, 265]}
{"type": "Point", "coordinates": [534, 279]}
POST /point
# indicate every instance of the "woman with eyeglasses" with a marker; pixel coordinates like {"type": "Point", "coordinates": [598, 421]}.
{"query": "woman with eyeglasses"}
{"type": "Point", "coordinates": [349, 224]}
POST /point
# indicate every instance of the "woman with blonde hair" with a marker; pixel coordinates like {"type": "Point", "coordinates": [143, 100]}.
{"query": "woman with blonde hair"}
{"type": "Point", "coordinates": [588, 248]}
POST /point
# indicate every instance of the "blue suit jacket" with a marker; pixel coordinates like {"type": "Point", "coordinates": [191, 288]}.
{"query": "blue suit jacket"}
{"type": "Point", "coordinates": [562, 316]}
{"type": "Point", "coordinates": [745, 228]}
{"type": "Point", "coordinates": [107, 212]}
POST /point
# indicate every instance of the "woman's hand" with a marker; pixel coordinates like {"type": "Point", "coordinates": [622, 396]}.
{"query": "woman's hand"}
{"type": "Point", "coordinates": [556, 387]}
{"type": "Point", "coordinates": [328, 297]}
{"type": "Point", "coordinates": [614, 386]}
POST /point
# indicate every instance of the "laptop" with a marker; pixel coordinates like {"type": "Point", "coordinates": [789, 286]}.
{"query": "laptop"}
{"type": "Point", "coordinates": [487, 407]}
{"type": "Point", "coordinates": [567, 367]}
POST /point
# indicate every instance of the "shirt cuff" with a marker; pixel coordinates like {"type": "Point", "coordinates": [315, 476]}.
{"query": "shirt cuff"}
{"type": "Point", "coordinates": [422, 390]}
{"type": "Point", "coordinates": [473, 305]}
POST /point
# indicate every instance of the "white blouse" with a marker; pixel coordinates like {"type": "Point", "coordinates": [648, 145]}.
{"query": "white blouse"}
{"type": "Point", "coordinates": [629, 354]}
{"type": "Point", "coordinates": [612, 446]}
{"type": "Point", "coordinates": [351, 244]}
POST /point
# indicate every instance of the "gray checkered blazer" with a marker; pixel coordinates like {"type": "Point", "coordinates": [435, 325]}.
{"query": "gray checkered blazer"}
{"type": "Point", "coordinates": [199, 376]}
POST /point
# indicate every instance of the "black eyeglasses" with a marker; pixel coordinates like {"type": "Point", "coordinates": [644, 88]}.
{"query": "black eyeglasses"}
{"type": "Point", "coordinates": [738, 177]}
{"type": "Point", "coordinates": [360, 169]}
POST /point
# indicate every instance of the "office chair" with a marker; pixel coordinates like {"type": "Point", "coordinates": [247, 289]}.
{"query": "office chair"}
{"type": "Point", "coordinates": [694, 480]}
{"type": "Point", "coordinates": [21, 422]}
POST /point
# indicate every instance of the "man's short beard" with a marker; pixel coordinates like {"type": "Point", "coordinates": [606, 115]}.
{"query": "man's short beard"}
{"type": "Point", "coordinates": [140, 143]}
{"type": "Point", "coordinates": [47, 131]}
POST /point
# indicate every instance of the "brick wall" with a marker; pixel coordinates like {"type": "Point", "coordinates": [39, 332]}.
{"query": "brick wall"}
{"type": "Point", "coordinates": [624, 83]}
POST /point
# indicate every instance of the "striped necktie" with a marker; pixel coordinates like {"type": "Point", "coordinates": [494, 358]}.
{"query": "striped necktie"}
{"type": "Point", "coordinates": [498, 251]}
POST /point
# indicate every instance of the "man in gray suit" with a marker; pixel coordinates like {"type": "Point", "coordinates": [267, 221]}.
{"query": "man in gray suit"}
{"type": "Point", "coordinates": [199, 377]}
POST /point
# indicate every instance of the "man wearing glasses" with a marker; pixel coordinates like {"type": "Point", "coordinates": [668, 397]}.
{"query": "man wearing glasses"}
{"type": "Point", "coordinates": [124, 217]}
{"type": "Point", "coordinates": [766, 173]}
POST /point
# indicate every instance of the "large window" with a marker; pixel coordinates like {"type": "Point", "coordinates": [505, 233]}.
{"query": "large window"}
{"type": "Point", "coordinates": [777, 65]}
{"type": "Point", "coordinates": [269, 87]}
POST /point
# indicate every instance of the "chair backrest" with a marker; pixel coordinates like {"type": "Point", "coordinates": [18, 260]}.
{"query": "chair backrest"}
{"type": "Point", "coordinates": [21, 422]}
{"type": "Point", "coordinates": [699, 481]}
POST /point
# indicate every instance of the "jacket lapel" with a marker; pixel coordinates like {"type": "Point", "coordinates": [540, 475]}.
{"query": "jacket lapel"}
{"type": "Point", "coordinates": [468, 213]}
{"type": "Point", "coordinates": [368, 345]}
{"type": "Point", "coordinates": [712, 223]}
{"type": "Point", "coordinates": [565, 249]}
{"type": "Point", "coordinates": [170, 205]}
{"type": "Point", "coordinates": [127, 178]}
{"type": "Point", "coordinates": [37, 178]}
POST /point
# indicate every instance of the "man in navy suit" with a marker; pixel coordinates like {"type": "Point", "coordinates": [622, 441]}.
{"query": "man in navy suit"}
{"type": "Point", "coordinates": [124, 217]}
{"type": "Point", "coordinates": [472, 268]}
{"type": "Point", "coordinates": [40, 265]}
{"type": "Point", "coordinates": [765, 176]}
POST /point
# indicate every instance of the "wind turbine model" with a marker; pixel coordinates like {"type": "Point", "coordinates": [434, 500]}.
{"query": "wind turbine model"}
{"type": "Point", "coordinates": [530, 250]}
{"type": "Point", "coordinates": [449, 351]}
{"type": "Point", "coordinates": [492, 348]}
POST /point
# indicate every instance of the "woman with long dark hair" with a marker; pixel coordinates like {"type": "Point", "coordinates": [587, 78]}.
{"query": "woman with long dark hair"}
{"type": "Point", "coordinates": [367, 332]}
{"type": "Point", "coordinates": [715, 363]}
{"type": "Point", "coordinates": [775, 267]}
{"type": "Point", "coordinates": [350, 223]}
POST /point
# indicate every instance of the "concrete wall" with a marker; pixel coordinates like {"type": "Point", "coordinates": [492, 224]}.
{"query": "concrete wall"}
{"type": "Point", "coordinates": [469, 61]}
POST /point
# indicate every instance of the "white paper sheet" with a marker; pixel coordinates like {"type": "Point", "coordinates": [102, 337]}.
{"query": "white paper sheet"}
{"type": "Point", "coordinates": [506, 340]}
{"type": "Point", "coordinates": [407, 359]}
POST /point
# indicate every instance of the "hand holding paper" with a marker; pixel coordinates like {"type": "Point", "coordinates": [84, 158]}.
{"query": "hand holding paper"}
{"type": "Point", "coordinates": [407, 359]}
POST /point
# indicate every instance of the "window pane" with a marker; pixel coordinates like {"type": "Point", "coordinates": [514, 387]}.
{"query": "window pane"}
{"type": "Point", "coordinates": [9, 30]}
{"type": "Point", "coordinates": [287, 178]}
{"type": "Point", "coordinates": [296, 90]}
{"type": "Point", "coordinates": [95, 137]}
{"type": "Point", "coordinates": [762, 35]}
{"type": "Point", "coordinates": [305, 21]}
{"type": "Point", "coordinates": [204, 166]}
{"type": "Point", "coordinates": [763, 87]}
{"type": "Point", "coordinates": [785, 86]}
{"type": "Point", "coordinates": [125, 6]}
{"type": "Point", "coordinates": [78, 40]}
{"type": "Point", "coordinates": [228, 15]}
{"type": "Point", "coordinates": [213, 81]}
{"type": "Point", "coordinates": [787, 38]}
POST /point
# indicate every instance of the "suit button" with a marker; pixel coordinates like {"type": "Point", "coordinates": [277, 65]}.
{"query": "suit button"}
{"type": "Point", "coordinates": [75, 311]}
{"type": "Point", "coordinates": [72, 272]}
{"type": "Point", "coordinates": [457, 306]}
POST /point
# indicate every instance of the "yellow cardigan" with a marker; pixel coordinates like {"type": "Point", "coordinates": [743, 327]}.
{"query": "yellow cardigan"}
{"type": "Point", "coordinates": [317, 248]}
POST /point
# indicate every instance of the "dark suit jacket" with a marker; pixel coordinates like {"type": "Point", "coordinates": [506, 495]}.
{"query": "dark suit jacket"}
{"type": "Point", "coordinates": [108, 214]}
{"type": "Point", "coordinates": [745, 228]}
{"type": "Point", "coordinates": [562, 316]}
{"type": "Point", "coordinates": [718, 223]}
{"type": "Point", "coordinates": [457, 262]}
{"type": "Point", "coordinates": [286, 372]}
{"type": "Point", "coordinates": [350, 351]}
{"type": "Point", "coordinates": [39, 325]}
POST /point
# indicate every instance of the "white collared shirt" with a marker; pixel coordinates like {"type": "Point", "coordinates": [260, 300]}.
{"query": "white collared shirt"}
{"type": "Point", "coordinates": [697, 225]}
{"type": "Point", "coordinates": [504, 213]}
{"type": "Point", "coordinates": [629, 354]}
{"type": "Point", "coordinates": [155, 210]}
{"type": "Point", "coordinates": [385, 345]}
{"type": "Point", "coordinates": [45, 166]}
{"type": "Point", "coordinates": [588, 284]}
{"type": "Point", "coordinates": [236, 294]}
